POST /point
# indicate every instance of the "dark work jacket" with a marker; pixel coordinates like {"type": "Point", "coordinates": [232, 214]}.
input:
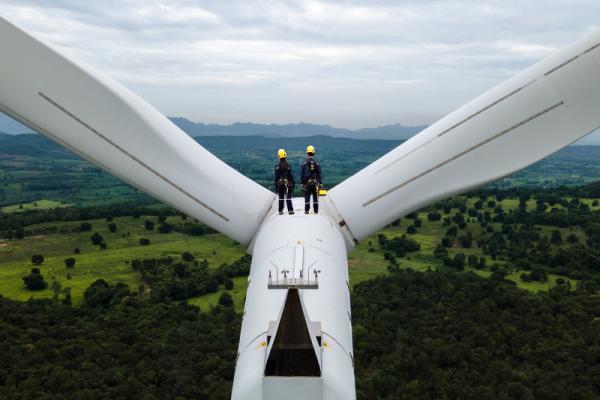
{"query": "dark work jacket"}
{"type": "Point", "coordinates": [311, 170]}
{"type": "Point", "coordinates": [284, 174]}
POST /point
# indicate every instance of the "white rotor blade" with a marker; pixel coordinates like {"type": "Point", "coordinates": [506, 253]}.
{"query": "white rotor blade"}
{"type": "Point", "coordinates": [521, 121]}
{"type": "Point", "coordinates": [112, 127]}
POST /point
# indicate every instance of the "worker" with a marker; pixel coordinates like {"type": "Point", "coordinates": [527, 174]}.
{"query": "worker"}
{"type": "Point", "coordinates": [311, 180]}
{"type": "Point", "coordinates": [284, 182]}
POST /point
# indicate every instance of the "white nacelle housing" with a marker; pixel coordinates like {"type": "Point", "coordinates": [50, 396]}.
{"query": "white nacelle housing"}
{"type": "Point", "coordinates": [296, 243]}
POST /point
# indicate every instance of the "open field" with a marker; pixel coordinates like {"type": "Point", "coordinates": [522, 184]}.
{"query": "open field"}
{"type": "Point", "coordinates": [93, 263]}
{"type": "Point", "coordinates": [34, 205]}
{"type": "Point", "coordinates": [113, 263]}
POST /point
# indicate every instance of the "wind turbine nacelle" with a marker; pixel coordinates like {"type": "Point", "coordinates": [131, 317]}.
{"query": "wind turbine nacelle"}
{"type": "Point", "coordinates": [303, 257]}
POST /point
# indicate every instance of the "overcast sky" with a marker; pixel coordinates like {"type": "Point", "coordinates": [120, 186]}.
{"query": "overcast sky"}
{"type": "Point", "coordinates": [345, 63]}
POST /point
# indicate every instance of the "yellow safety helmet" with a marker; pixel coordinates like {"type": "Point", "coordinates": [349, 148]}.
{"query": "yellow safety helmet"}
{"type": "Point", "coordinates": [281, 153]}
{"type": "Point", "coordinates": [310, 149]}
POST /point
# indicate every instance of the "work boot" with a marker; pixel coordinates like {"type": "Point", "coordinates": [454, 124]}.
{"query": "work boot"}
{"type": "Point", "coordinates": [306, 212]}
{"type": "Point", "coordinates": [291, 212]}
{"type": "Point", "coordinates": [280, 212]}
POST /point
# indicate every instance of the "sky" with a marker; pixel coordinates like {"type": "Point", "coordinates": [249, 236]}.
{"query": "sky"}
{"type": "Point", "coordinates": [349, 64]}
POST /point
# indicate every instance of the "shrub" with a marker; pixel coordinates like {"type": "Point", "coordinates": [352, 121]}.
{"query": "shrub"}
{"type": "Point", "coordinates": [37, 259]}
{"type": "Point", "coordinates": [434, 216]}
{"type": "Point", "coordinates": [165, 228]}
{"type": "Point", "coordinates": [459, 261]}
{"type": "Point", "coordinates": [144, 242]}
{"type": "Point", "coordinates": [70, 262]}
{"type": "Point", "coordinates": [228, 284]}
{"type": "Point", "coordinates": [85, 227]}
{"type": "Point", "coordinates": [112, 227]}
{"type": "Point", "coordinates": [225, 300]}
{"type": "Point", "coordinates": [96, 238]}
{"type": "Point", "coordinates": [101, 294]}
{"type": "Point", "coordinates": [149, 225]}
{"type": "Point", "coordinates": [35, 280]}
{"type": "Point", "coordinates": [187, 256]}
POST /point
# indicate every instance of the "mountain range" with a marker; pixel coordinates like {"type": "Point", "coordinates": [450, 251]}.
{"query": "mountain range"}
{"type": "Point", "coordinates": [389, 132]}
{"type": "Point", "coordinates": [196, 129]}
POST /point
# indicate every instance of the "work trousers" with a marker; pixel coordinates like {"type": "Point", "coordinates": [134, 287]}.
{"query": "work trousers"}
{"type": "Point", "coordinates": [315, 195]}
{"type": "Point", "coordinates": [282, 195]}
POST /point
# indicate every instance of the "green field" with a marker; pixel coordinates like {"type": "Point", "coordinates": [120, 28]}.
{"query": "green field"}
{"type": "Point", "coordinates": [113, 263]}
{"type": "Point", "coordinates": [34, 205]}
{"type": "Point", "coordinates": [92, 263]}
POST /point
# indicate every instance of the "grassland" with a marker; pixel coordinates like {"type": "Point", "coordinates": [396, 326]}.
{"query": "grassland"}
{"type": "Point", "coordinates": [34, 205]}
{"type": "Point", "coordinates": [113, 264]}
{"type": "Point", "coordinates": [93, 263]}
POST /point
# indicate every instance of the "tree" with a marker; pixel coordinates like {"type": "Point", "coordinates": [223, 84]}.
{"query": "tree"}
{"type": "Point", "coordinates": [478, 204]}
{"type": "Point", "coordinates": [411, 229]}
{"type": "Point", "coordinates": [96, 238]}
{"type": "Point", "coordinates": [187, 256]}
{"type": "Point", "coordinates": [70, 262]}
{"type": "Point", "coordinates": [101, 294]}
{"type": "Point", "coordinates": [459, 261]}
{"type": "Point", "coordinates": [144, 242]}
{"type": "Point", "coordinates": [20, 233]}
{"type": "Point", "coordinates": [440, 252]}
{"type": "Point", "coordinates": [66, 296]}
{"type": "Point", "coordinates": [225, 300]}
{"type": "Point", "coordinates": [228, 283]}
{"type": "Point", "coordinates": [85, 226]}
{"type": "Point", "coordinates": [56, 289]}
{"type": "Point", "coordinates": [37, 259]}
{"type": "Point", "coordinates": [434, 216]}
{"type": "Point", "coordinates": [538, 275]}
{"type": "Point", "coordinates": [556, 237]}
{"type": "Point", "coordinates": [473, 261]}
{"type": "Point", "coordinates": [35, 280]}
{"type": "Point", "coordinates": [149, 225]}
{"type": "Point", "coordinates": [112, 227]}
{"type": "Point", "coordinates": [165, 228]}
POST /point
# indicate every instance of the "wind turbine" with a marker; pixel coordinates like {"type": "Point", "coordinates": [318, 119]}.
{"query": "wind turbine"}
{"type": "Point", "coordinates": [296, 336]}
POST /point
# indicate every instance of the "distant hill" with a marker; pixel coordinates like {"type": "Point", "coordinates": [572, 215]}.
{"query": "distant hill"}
{"type": "Point", "coordinates": [32, 145]}
{"type": "Point", "coordinates": [194, 129]}
{"type": "Point", "coordinates": [389, 132]}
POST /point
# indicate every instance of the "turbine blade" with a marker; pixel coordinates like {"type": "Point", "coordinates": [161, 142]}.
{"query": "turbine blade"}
{"type": "Point", "coordinates": [107, 124]}
{"type": "Point", "coordinates": [534, 114]}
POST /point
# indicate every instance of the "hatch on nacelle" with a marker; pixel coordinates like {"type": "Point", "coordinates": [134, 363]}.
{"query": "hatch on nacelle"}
{"type": "Point", "coordinates": [293, 342]}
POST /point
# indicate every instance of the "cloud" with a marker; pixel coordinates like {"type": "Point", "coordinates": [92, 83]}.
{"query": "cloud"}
{"type": "Point", "coordinates": [346, 63]}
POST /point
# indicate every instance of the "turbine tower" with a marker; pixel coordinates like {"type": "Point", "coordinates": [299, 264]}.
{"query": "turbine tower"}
{"type": "Point", "coordinates": [296, 336]}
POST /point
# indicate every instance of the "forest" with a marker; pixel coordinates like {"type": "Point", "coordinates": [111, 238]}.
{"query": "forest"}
{"type": "Point", "coordinates": [418, 335]}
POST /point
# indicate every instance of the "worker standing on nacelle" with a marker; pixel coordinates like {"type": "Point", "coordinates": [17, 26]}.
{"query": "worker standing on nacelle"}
{"type": "Point", "coordinates": [311, 180]}
{"type": "Point", "coordinates": [284, 182]}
